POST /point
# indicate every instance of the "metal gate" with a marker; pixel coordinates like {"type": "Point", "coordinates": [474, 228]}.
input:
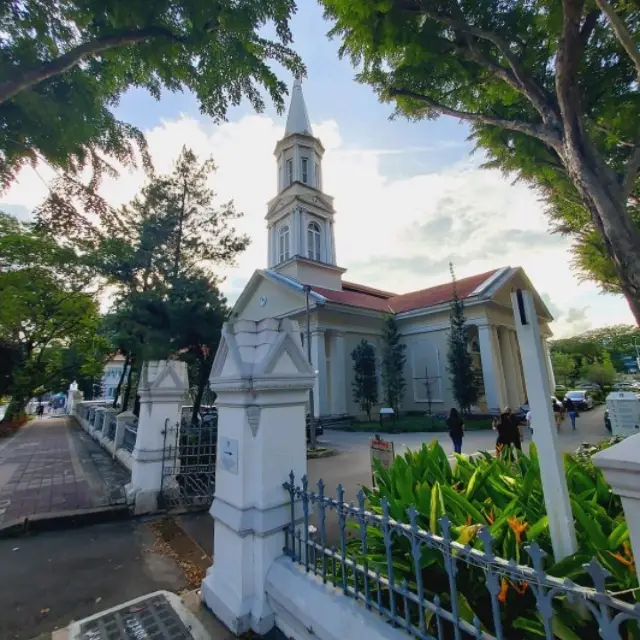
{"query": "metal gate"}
{"type": "Point", "coordinates": [188, 465]}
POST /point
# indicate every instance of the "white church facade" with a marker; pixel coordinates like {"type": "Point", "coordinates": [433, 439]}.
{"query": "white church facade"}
{"type": "Point", "coordinates": [303, 277]}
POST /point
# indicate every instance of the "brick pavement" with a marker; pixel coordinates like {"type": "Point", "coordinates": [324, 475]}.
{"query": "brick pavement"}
{"type": "Point", "coordinates": [52, 465]}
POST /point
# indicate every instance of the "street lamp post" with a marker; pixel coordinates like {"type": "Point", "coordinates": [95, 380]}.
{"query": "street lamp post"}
{"type": "Point", "coordinates": [312, 419]}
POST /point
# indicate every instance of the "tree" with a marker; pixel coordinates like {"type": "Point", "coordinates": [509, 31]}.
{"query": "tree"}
{"type": "Point", "coordinates": [46, 308]}
{"type": "Point", "coordinates": [393, 360]}
{"type": "Point", "coordinates": [365, 380]}
{"type": "Point", "coordinates": [550, 93]}
{"type": "Point", "coordinates": [601, 373]}
{"type": "Point", "coordinates": [65, 65]}
{"type": "Point", "coordinates": [460, 362]}
{"type": "Point", "coordinates": [564, 367]}
{"type": "Point", "coordinates": [161, 256]}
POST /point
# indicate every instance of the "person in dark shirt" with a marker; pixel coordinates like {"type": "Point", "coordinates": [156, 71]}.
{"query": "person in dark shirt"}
{"type": "Point", "coordinates": [456, 429]}
{"type": "Point", "coordinates": [508, 432]}
{"type": "Point", "coordinates": [571, 410]}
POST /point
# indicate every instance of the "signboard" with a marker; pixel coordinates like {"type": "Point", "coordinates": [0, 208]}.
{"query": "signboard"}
{"type": "Point", "coordinates": [229, 455]}
{"type": "Point", "coordinates": [624, 413]}
{"type": "Point", "coordinates": [382, 451]}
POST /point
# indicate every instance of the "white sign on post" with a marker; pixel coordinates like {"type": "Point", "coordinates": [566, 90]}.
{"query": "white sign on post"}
{"type": "Point", "coordinates": [229, 455]}
{"type": "Point", "coordinates": [624, 412]}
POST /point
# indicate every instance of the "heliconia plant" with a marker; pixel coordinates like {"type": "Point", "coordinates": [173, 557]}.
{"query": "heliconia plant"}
{"type": "Point", "coordinates": [505, 496]}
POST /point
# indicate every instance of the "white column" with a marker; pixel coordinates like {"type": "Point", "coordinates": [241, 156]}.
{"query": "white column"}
{"type": "Point", "coordinates": [621, 467]}
{"type": "Point", "coordinates": [161, 390]}
{"type": "Point", "coordinates": [549, 365]}
{"type": "Point", "coordinates": [262, 380]}
{"type": "Point", "coordinates": [319, 363]}
{"type": "Point", "coordinates": [508, 368]}
{"type": "Point", "coordinates": [515, 352]}
{"type": "Point", "coordinates": [338, 374]}
{"type": "Point", "coordinates": [492, 373]}
{"type": "Point", "coordinates": [545, 435]}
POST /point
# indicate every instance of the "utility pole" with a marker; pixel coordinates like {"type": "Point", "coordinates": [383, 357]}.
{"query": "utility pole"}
{"type": "Point", "coordinates": [312, 418]}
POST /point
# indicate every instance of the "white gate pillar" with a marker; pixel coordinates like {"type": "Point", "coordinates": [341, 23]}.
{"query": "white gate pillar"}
{"type": "Point", "coordinates": [161, 390]}
{"type": "Point", "coordinates": [262, 380]}
{"type": "Point", "coordinates": [545, 436]}
{"type": "Point", "coordinates": [621, 467]}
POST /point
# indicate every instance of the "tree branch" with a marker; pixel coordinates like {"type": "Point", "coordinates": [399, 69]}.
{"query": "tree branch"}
{"type": "Point", "coordinates": [520, 80]}
{"type": "Point", "coordinates": [542, 132]}
{"type": "Point", "coordinates": [26, 79]}
{"type": "Point", "coordinates": [622, 33]}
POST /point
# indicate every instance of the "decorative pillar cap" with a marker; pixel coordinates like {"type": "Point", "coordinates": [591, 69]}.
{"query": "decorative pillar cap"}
{"type": "Point", "coordinates": [261, 355]}
{"type": "Point", "coordinates": [164, 376]}
{"type": "Point", "coordinates": [621, 466]}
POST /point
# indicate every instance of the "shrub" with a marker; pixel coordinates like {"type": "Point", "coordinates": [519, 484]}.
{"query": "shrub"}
{"type": "Point", "coordinates": [505, 496]}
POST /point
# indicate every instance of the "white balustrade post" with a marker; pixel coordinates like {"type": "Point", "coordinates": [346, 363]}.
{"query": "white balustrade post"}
{"type": "Point", "coordinates": [161, 391]}
{"type": "Point", "coordinates": [109, 414]}
{"type": "Point", "coordinates": [545, 436]}
{"type": "Point", "coordinates": [73, 397]}
{"type": "Point", "coordinates": [262, 379]}
{"type": "Point", "coordinates": [621, 467]}
{"type": "Point", "coordinates": [98, 423]}
{"type": "Point", "coordinates": [121, 421]}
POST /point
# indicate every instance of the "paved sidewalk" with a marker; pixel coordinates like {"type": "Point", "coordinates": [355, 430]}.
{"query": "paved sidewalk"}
{"type": "Point", "coordinates": [51, 465]}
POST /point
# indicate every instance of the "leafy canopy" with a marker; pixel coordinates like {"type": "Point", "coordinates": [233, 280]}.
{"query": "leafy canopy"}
{"type": "Point", "coordinates": [549, 90]}
{"type": "Point", "coordinates": [65, 64]}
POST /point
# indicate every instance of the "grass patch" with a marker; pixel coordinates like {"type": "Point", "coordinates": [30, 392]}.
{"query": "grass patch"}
{"type": "Point", "coordinates": [415, 424]}
{"type": "Point", "coordinates": [320, 452]}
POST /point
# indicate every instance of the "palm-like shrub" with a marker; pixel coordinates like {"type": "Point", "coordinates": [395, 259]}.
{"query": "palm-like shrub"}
{"type": "Point", "coordinates": [505, 496]}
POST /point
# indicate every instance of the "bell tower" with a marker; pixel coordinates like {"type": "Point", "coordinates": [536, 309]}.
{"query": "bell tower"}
{"type": "Point", "coordinates": [300, 218]}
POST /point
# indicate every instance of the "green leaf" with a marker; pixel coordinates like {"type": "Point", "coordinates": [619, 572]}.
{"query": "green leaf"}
{"type": "Point", "coordinates": [531, 627]}
{"type": "Point", "coordinates": [463, 504]}
{"type": "Point", "coordinates": [538, 528]}
{"type": "Point", "coordinates": [591, 527]}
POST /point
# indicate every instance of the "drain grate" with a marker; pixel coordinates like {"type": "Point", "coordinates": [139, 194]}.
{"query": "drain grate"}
{"type": "Point", "coordinates": [150, 619]}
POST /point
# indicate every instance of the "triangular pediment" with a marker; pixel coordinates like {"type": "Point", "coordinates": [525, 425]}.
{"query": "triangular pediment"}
{"type": "Point", "coordinates": [165, 375]}
{"type": "Point", "coordinates": [516, 278]}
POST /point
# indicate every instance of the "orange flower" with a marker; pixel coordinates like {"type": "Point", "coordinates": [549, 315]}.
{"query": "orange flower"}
{"type": "Point", "coordinates": [504, 587]}
{"type": "Point", "coordinates": [517, 527]}
{"type": "Point", "coordinates": [627, 559]}
{"type": "Point", "coordinates": [521, 588]}
{"type": "Point", "coordinates": [491, 518]}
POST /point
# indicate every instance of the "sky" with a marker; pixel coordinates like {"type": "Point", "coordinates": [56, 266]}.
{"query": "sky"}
{"type": "Point", "coordinates": [409, 197]}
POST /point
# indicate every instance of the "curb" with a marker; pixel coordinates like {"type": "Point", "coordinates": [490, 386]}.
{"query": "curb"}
{"type": "Point", "coordinates": [60, 520]}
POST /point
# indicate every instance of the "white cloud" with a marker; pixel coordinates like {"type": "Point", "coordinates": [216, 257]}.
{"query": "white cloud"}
{"type": "Point", "coordinates": [396, 234]}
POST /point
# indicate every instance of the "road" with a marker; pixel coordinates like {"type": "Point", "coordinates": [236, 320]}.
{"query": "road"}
{"type": "Point", "coordinates": [352, 467]}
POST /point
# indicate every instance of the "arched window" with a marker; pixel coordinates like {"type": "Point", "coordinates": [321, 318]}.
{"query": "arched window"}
{"type": "Point", "coordinates": [283, 243]}
{"type": "Point", "coordinates": [313, 241]}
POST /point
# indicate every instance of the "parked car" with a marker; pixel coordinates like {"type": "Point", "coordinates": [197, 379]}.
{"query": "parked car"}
{"type": "Point", "coordinates": [607, 420]}
{"type": "Point", "coordinates": [581, 398]}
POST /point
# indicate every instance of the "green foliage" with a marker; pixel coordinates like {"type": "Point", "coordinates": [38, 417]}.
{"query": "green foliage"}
{"type": "Point", "coordinates": [365, 380]}
{"type": "Point", "coordinates": [461, 373]}
{"type": "Point", "coordinates": [161, 255]}
{"type": "Point", "coordinates": [393, 361]}
{"type": "Point", "coordinates": [564, 368]}
{"type": "Point", "coordinates": [504, 495]}
{"type": "Point", "coordinates": [46, 307]}
{"type": "Point", "coordinates": [65, 65]}
{"type": "Point", "coordinates": [601, 373]}
{"type": "Point", "coordinates": [566, 123]}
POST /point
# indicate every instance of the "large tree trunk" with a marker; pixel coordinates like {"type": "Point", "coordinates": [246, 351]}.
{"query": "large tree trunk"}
{"type": "Point", "coordinates": [15, 409]}
{"type": "Point", "coordinates": [604, 197]}
{"type": "Point", "coordinates": [127, 391]}
{"type": "Point", "coordinates": [203, 379]}
{"type": "Point", "coordinates": [116, 395]}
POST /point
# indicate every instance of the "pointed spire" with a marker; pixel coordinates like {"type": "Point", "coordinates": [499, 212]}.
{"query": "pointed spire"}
{"type": "Point", "coordinates": [298, 118]}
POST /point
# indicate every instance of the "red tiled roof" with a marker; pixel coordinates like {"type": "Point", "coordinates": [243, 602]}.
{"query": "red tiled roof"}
{"type": "Point", "coordinates": [383, 301]}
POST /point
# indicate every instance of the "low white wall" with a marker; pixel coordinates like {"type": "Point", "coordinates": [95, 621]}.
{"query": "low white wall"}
{"type": "Point", "coordinates": [307, 609]}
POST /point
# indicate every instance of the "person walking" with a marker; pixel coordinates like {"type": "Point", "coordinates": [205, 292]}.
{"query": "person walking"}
{"type": "Point", "coordinates": [571, 410]}
{"type": "Point", "coordinates": [40, 409]}
{"type": "Point", "coordinates": [557, 413]}
{"type": "Point", "coordinates": [456, 429]}
{"type": "Point", "coordinates": [507, 426]}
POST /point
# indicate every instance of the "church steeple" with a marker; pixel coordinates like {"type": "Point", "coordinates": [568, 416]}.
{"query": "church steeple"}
{"type": "Point", "coordinates": [298, 118]}
{"type": "Point", "coordinates": [300, 217]}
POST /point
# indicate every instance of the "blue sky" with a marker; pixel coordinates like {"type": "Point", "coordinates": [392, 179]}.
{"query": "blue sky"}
{"type": "Point", "coordinates": [409, 196]}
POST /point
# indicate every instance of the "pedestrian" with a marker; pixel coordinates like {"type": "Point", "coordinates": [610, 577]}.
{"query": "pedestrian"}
{"type": "Point", "coordinates": [40, 409]}
{"type": "Point", "coordinates": [456, 429]}
{"type": "Point", "coordinates": [557, 413]}
{"type": "Point", "coordinates": [571, 410]}
{"type": "Point", "coordinates": [528, 419]}
{"type": "Point", "coordinates": [508, 430]}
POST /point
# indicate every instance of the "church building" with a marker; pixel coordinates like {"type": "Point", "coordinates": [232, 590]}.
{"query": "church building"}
{"type": "Point", "coordinates": [304, 282]}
